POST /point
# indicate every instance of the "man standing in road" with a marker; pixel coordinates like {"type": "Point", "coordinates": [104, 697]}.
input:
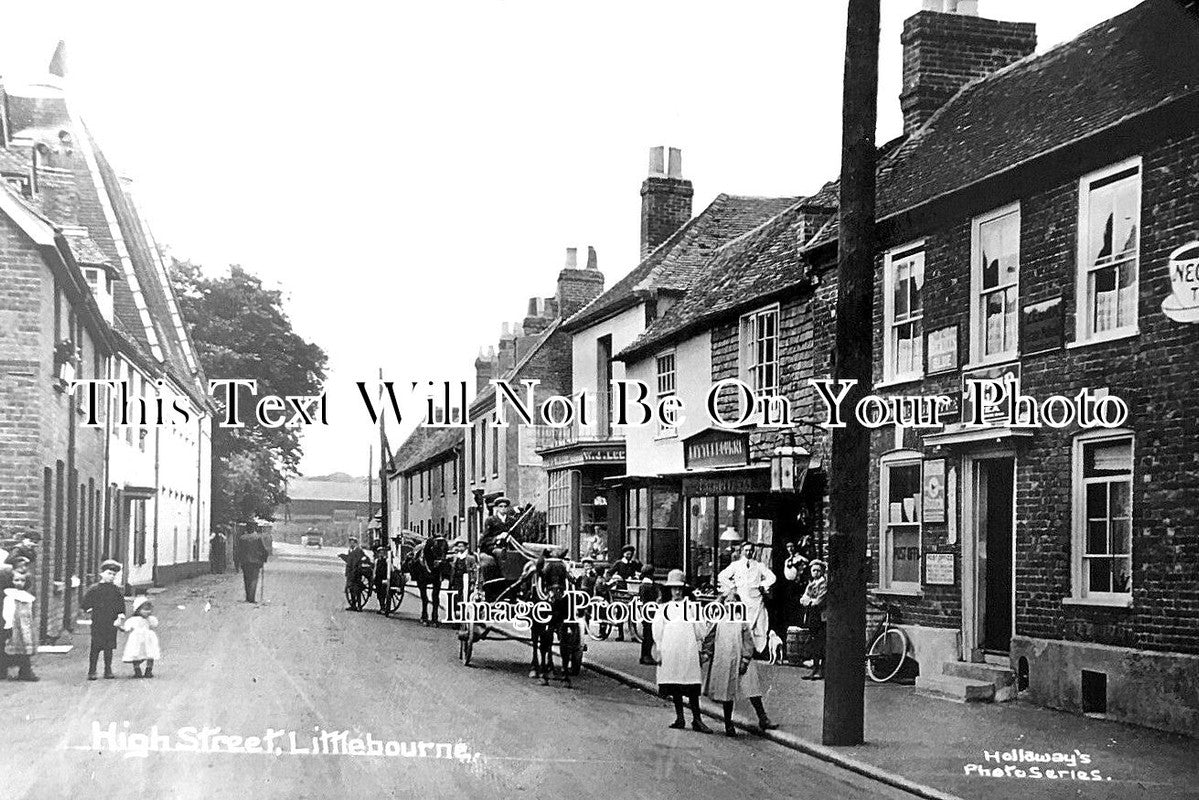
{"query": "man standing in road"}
{"type": "Point", "coordinates": [253, 556]}
{"type": "Point", "coordinates": [355, 559]}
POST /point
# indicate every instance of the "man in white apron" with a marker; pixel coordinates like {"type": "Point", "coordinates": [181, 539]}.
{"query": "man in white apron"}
{"type": "Point", "coordinates": [751, 579]}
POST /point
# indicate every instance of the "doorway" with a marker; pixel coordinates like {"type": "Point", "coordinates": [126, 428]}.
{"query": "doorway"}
{"type": "Point", "coordinates": [993, 526]}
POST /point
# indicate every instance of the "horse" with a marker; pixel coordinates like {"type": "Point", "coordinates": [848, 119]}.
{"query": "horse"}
{"type": "Point", "coordinates": [549, 583]}
{"type": "Point", "coordinates": [429, 565]}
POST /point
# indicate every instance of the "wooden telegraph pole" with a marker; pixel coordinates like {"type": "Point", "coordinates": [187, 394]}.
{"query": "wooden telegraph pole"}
{"type": "Point", "coordinates": [845, 663]}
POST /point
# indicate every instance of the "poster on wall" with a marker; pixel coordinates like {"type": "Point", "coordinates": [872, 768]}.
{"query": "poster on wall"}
{"type": "Point", "coordinates": [939, 569]}
{"type": "Point", "coordinates": [1183, 303]}
{"type": "Point", "coordinates": [933, 490]}
{"type": "Point", "coordinates": [942, 349]}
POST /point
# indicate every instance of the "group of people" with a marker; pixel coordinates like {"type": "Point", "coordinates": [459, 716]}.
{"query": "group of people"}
{"type": "Point", "coordinates": [104, 601]}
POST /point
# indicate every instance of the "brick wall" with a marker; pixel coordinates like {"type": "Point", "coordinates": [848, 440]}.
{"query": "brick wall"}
{"type": "Point", "coordinates": [1152, 371]}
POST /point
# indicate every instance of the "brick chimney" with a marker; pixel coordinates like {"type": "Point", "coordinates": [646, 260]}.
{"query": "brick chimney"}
{"type": "Point", "coordinates": [484, 368]}
{"type": "Point", "coordinates": [665, 198]}
{"type": "Point", "coordinates": [578, 287]}
{"type": "Point", "coordinates": [505, 355]}
{"type": "Point", "coordinates": [947, 45]}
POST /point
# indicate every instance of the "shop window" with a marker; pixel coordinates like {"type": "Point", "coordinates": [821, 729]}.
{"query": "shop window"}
{"type": "Point", "coordinates": [1103, 517]}
{"type": "Point", "coordinates": [637, 520]}
{"type": "Point", "coordinates": [903, 313]}
{"type": "Point", "coordinates": [666, 388]}
{"type": "Point", "coordinates": [441, 478]}
{"type": "Point", "coordinates": [1109, 216]}
{"type": "Point", "coordinates": [558, 507]}
{"type": "Point", "coordinates": [759, 350]}
{"type": "Point", "coordinates": [666, 550]}
{"type": "Point", "coordinates": [474, 453]}
{"type": "Point", "coordinates": [995, 281]}
{"type": "Point", "coordinates": [900, 524]}
{"type": "Point", "coordinates": [603, 385]}
{"type": "Point", "coordinates": [483, 451]}
{"type": "Point", "coordinates": [454, 475]}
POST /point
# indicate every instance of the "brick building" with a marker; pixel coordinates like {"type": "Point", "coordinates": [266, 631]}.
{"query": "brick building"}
{"type": "Point", "coordinates": [150, 483]}
{"type": "Point", "coordinates": [335, 506]}
{"type": "Point", "coordinates": [1041, 207]}
{"type": "Point", "coordinates": [1035, 220]}
{"type": "Point", "coordinates": [593, 487]}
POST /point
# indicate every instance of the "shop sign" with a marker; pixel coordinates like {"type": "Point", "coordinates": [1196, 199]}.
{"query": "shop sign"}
{"type": "Point", "coordinates": [933, 491]}
{"type": "Point", "coordinates": [939, 569]}
{"type": "Point", "coordinates": [996, 416]}
{"type": "Point", "coordinates": [942, 349]}
{"type": "Point", "coordinates": [1183, 303]}
{"type": "Point", "coordinates": [578, 457]}
{"type": "Point", "coordinates": [716, 448]}
{"type": "Point", "coordinates": [738, 483]}
{"type": "Point", "coordinates": [1042, 327]}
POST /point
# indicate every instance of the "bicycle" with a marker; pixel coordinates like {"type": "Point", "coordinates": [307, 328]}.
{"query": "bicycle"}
{"type": "Point", "coordinates": [888, 651]}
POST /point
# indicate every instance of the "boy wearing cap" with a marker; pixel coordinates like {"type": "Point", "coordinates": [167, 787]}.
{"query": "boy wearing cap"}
{"type": "Point", "coordinates": [106, 603]}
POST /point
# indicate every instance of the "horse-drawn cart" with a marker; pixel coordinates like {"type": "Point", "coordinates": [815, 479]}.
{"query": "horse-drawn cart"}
{"type": "Point", "coordinates": [526, 572]}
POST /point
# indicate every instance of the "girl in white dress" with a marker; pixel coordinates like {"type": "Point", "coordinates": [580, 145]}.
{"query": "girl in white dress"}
{"type": "Point", "coordinates": [142, 644]}
{"type": "Point", "coordinates": [678, 635]}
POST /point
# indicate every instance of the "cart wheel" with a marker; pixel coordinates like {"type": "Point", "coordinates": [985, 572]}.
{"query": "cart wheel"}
{"type": "Point", "coordinates": [396, 596]}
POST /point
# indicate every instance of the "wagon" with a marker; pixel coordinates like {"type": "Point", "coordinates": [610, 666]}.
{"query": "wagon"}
{"type": "Point", "coordinates": [513, 583]}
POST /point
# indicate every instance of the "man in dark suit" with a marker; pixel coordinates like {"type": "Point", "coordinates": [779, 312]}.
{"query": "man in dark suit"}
{"type": "Point", "coordinates": [355, 559]}
{"type": "Point", "coordinates": [253, 555]}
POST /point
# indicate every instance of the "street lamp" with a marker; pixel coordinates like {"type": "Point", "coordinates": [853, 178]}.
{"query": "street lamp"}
{"type": "Point", "coordinates": [788, 469]}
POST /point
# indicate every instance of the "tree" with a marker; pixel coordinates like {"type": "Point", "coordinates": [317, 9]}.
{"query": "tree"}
{"type": "Point", "coordinates": [240, 330]}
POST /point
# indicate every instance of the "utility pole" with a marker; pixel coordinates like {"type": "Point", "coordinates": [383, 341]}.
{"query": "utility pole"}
{"type": "Point", "coordinates": [845, 662]}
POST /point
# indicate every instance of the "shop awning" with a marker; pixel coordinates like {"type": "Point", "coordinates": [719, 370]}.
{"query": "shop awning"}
{"type": "Point", "coordinates": [961, 436]}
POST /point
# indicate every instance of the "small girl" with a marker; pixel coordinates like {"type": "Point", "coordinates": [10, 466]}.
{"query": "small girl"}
{"type": "Point", "coordinates": [142, 644]}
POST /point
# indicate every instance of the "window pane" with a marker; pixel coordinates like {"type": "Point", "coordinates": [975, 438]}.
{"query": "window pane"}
{"type": "Point", "coordinates": [903, 493]}
{"type": "Point", "coordinates": [1100, 575]}
{"type": "Point", "coordinates": [1127, 294]}
{"type": "Point", "coordinates": [1107, 458]}
{"type": "Point", "coordinates": [916, 286]}
{"type": "Point", "coordinates": [1124, 217]}
{"type": "Point", "coordinates": [901, 291]}
{"type": "Point", "coordinates": [1097, 501]}
{"type": "Point", "coordinates": [730, 512]}
{"type": "Point", "coordinates": [1122, 574]}
{"type": "Point", "coordinates": [700, 534]}
{"type": "Point", "coordinates": [995, 322]}
{"type": "Point", "coordinates": [1121, 504]}
{"type": "Point", "coordinates": [666, 509]}
{"type": "Point", "coordinates": [1100, 225]}
{"type": "Point", "coordinates": [1121, 531]}
{"type": "Point", "coordinates": [1097, 537]}
{"type": "Point", "coordinates": [1103, 298]}
{"type": "Point", "coordinates": [905, 554]}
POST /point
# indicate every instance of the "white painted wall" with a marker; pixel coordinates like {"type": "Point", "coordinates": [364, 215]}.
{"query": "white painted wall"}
{"type": "Point", "coordinates": [648, 453]}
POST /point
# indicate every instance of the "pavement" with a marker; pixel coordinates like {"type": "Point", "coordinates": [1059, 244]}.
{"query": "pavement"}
{"type": "Point", "coordinates": [243, 690]}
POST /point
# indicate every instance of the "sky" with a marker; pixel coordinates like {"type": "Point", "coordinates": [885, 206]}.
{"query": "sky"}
{"type": "Point", "coordinates": [410, 173]}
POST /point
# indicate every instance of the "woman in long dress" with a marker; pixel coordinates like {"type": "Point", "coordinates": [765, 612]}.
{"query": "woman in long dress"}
{"type": "Point", "coordinates": [732, 673]}
{"type": "Point", "coordinates": [678, 632]}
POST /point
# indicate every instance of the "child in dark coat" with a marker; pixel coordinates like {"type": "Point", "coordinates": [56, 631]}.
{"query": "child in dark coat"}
{"type": "Point", "coordinates": [106, 602]}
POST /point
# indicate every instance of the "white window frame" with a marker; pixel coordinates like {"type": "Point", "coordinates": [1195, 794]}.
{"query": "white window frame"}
{"type": "Point", "coordinates": [898, 458]}
{"type": "Point", "coordinates": [890, 375]}
{"type": "Point", "coordinates": [671, 390]}
{"type": "Point", "coordinates": [1078, 531]}
{"type": "Point", "coordinates": [750, 368]}
{"type": "Point", "coordinates": [978, 318]}
{"type": "Point", "coordinates": [1082, 311]}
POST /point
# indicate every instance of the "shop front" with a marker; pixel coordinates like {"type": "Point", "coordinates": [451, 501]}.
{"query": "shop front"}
{"type": "Point", "coordinates": [729, 499]}
{"type": "Point", "coordinates": [577, 508]}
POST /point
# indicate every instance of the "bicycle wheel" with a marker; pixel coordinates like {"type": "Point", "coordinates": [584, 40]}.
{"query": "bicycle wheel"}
{"type": "Point", "coordinates": [886, 655]}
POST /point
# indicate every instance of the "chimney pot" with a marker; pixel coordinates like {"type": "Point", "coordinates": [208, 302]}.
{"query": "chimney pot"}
{"type": "Point", "coordinates": [572, 258]}
{"type": "Point", "coordinates": [592, 259]}
{"type": "Point", "coordinates": [675, 165]}
{"type": "Point", "coordinates": [532, 309]}
{"type": "Point", "coordinates": [657, 168]}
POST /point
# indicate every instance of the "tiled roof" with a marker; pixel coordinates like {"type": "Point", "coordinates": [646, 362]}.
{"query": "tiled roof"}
{"type": "Point", "coordinates": [1120, 68]}
{"type": "Point", "coordinates": [762, 262]}
{"type": "Point", "coordinates": [426, 443]}
{"type": "Point", "coordinates": [676, 262]}
{"type": "Point", "coordinates": [85, 250]}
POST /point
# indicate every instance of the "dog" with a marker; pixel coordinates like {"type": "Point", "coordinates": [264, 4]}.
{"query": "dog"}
{"type": "Point", "coordinates": [774, 646]}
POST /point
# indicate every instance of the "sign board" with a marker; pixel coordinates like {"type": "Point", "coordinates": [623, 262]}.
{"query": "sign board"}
{"type": "Point", "coordinates": [939, 569]}
{"type": "Point", "coordinates": [933, 490]}
{"type": "Point", "coordinates": [942, 349]}
{"type": "Point", "coordinates": [1042, 327]}
{"type": "Point", "coordinates": [736, 482]}
{"type": "Point", "coordinates": [999, 373]}
{"type": "Point", "coordinates": [1183, 303]}
{"type": "Point", "coordinates": [716, 448]}
{"type": "Point", "coordinates": [582, 454]}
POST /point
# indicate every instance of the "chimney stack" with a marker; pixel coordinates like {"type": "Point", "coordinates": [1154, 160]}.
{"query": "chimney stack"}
{"type": "Point", "coordinates": [536, 320]}
{"type": "Point", "coordinates": [506, 351]}
{"type": "Point", "coordinates": [665, 198]}
{"type": "Point", "coordinates": [484, 368]}
{"type": "Point", "coordinates": [578, 287]}
{"type": "Point", "coordinates": [947, 45]}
